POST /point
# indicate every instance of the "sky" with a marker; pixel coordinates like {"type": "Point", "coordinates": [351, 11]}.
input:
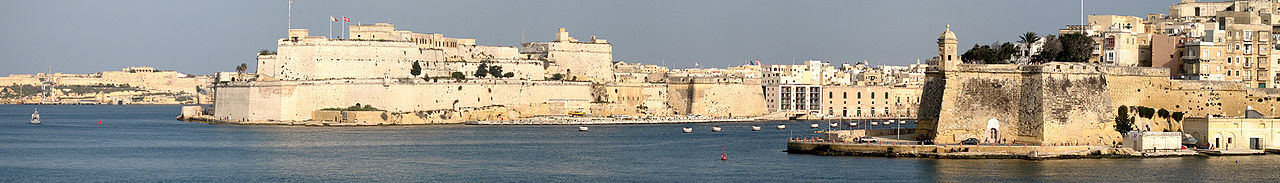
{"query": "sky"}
{"type": "Point", "coordinates": [204, 37]}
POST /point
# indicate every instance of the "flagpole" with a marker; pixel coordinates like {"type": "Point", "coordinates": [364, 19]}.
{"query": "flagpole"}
{"type": "Point", "coordinates": [331, 27]}
{"type": "Point", "coordinates": [290, 14]}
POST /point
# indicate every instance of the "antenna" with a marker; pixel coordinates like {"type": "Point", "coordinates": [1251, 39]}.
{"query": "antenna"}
{"type": "Point", "coordinates": [521, 35]}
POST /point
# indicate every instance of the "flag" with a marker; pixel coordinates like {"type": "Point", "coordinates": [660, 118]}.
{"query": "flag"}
{"type": "Point", "coordinates": [757, 62]}
{"type": "Point", "coordinates": [334, 19]}
{"type": "Point", "coordinates": [345, 19]}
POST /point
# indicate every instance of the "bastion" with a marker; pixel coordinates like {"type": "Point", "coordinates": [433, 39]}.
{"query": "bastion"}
{"type": "Point", "coordinates": [1067, 103]}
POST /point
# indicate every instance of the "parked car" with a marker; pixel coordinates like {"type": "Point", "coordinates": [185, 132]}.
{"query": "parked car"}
{"type": "Point", "coordinates": [970, 141]}
{"type": "Point", "coordinates": [926, 142]}
{"type": "Point", "coordinates": [867, 140]}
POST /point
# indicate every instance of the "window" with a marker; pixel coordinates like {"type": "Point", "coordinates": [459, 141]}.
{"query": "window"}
{"type": "Point", "coordinates": [873, 95]}
{"type": "Point", "coordinates": [859, 95]}
{"type": "Point", "coordinates": [845, 94]}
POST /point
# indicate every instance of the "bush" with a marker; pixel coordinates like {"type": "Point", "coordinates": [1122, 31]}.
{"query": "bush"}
{"type": "Point", "coordinates": [356, 107]}
{"type": "Point", "coordinates": [1177, 116]}
{"type": "Point", "coordinates": [509, 74]}
{"type": "Point", "coordinates": [266, 52]}
{"type": "Point", "coordinates": [458, 75]}
{"type": "Point", "coordinates": [482, 71]}
{"type": "Point", "coordinates": [557, 77]}
{"type": "Point", "coordinates": [1163, 113]}
{"type": "Point", "coordinates": [1146, 112]}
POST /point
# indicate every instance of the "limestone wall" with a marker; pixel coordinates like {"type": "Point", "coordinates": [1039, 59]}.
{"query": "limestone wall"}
{"type": "Point", "coordinates": [295, 100]}
{"type": "Point", "coordinates": [587, 61]}
{"type": "Point", "coordinates": [653, 97]}
{"type": "Point", "coordinates": [719, 100]}
{"type": "Point", "coordinates": [320, 58]}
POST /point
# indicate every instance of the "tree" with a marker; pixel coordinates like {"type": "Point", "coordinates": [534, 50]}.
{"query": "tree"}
{"type": "Point", "coordinates": [495, 71]}
{"type": "Point", "coordinates": [266, 52]}
{"type": "Point", "coordinates": [1124, 123]}
{"type": "Point", "coordinates": [1049, 51]}
{"type": "Point", "coordinates": [508, 75]}
{"type": "Point", "coordinates": [416, 69]}
{"type": "Point", "coordinates": [481, 71]}
{"type": "Point", "coordinates": [1163, 113]}
{"type": "Point", "coordinates": [994, 53]}
{"type": "Point", "coordinates": [425, 77]}
{"type": "Point", "coordinates": [1028, 38]}
{"type": "Point", "coordinates": [458, 75]}
{"type": "Point", "coordinates": [557, 76]}
{"type": "Point", "coordinates": [1075, 48]}
{"type": "Point", "coordinates": [1177, 116]}
{"type": "Point", "coordinates": [241, 69]}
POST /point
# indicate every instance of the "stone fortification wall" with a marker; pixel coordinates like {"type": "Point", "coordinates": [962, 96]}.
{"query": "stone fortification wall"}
{"type": "Point", "coordinates": [320, 58]}
{"type": "Point", "coordinates": [296, 100]}
{"type": "Point", "coordinates": [522, 69]}
{"type": "Point", "coordinates": [653, 97]}
{"type": "Point", "coordinates": [716, 99]}
{"type": "Point", "coordinates": [1071, 102]}
{"type": "Point", "coordinates": [586, 61]}
{"type": "Point", "coordinates": [1051, 103]}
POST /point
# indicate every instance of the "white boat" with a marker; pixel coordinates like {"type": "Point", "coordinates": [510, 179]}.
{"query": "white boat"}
{"type": "Point", "coordinates": [755, 128]}
{"type": "Point", "coordinates": [687, 130]}
{"type": "Point", "coordinates": [834, 125]}
{"type": "Point", "coordinates": [35, 117]}
{"type": "Point", "coordinates": [582, 128]}
{"type": "Point", "coordinates": [782, 126]}
{"type": "Point", "coordinates": [815, 125]}
{"type": "Point", "coordinates": [715, 128]}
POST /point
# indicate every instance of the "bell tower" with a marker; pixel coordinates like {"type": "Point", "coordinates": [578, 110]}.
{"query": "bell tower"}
{"type": "Point", "coordinates": [947, 58]}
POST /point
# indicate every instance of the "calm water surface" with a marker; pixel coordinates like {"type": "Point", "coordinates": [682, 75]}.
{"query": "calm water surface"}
{"type": "Point", "coordinates": [145, 144]}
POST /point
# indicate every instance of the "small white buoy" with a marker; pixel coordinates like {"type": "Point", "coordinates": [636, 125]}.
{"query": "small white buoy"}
{"type": "Point", "coordinates": [755, 128]}
{"type": "Point", "coordinates": [782, 126]}
{"type": "Point", "coordinates": [715, 128]}
{"type": "Point", "coordinates": [582, 128]}
{"type": "Point", "coordinates": [688, 130]}
{"type": "Point", "coordinates": [815, 125]}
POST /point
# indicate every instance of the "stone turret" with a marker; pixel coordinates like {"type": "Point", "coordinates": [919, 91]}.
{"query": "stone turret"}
{"type": "Point", "coordinates": [947, 58]}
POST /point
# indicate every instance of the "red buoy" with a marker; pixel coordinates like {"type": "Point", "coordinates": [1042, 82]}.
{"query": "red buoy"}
{"type": "Point", "coordinates": [99, 122]}
{"type": "Point", "coordinates": [724, 155]}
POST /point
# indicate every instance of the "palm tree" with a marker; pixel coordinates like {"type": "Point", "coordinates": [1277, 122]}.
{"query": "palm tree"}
{"type": "Point", "coordinates": [241, 69]}
{"type": "Point", "coordinates": [1028, 38]}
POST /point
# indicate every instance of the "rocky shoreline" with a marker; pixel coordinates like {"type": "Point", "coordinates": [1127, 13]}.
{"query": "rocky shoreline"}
{"type": "Point", "coordinates": [975, 151]}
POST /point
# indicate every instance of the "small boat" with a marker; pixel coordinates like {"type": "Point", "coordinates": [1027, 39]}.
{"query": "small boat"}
{"type": "Point", "coordinates": [834, 125]}
{"type": "Point", "coordinates": [35, 117]}
{"type": "Point", "coordinates": [582, 128]}
{"type": "Point", "coordinates": [687, 130]}
{"type": "Point", "coordinates": [873, 123]}
{"type": "Point", "coordinates": [715, 128]}
{"type": "Point", "coordinates": [853, 124]}
{"type": "Point", "coordinates": [782, 126]}
{"type": "Point", "coordinates": [815, 125]}
{"type": "Point", "coordinates": [755, 128]}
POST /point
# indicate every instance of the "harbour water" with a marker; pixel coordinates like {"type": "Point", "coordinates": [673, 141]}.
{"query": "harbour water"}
{"type": "Point", "coordinates": [145, 144]}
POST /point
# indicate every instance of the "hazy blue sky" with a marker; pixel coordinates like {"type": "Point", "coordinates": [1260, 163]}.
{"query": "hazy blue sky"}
{"type": "Point", "coordinates": [203, 37]}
